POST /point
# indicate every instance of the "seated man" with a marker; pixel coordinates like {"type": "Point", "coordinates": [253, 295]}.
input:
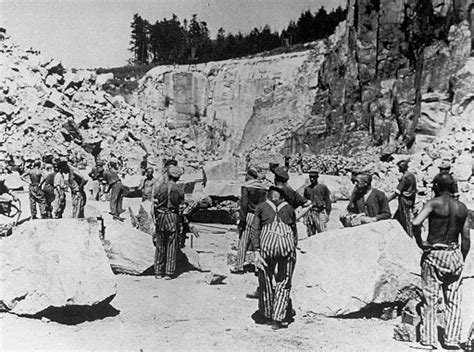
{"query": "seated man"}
{"type": "Point", "coordinates": [368, 204]}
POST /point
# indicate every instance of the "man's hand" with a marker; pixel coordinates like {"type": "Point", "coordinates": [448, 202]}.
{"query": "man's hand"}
{"type": "Point", "coordinates": [154, 240]}
{"type": "Point", "coordinates": [367, 219]}
{"type": "Point", "coordinates": [260, 263]}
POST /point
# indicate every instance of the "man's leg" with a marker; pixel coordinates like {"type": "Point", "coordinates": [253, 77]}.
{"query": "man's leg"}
{"type": "Point", "coordinates": [160, 250]}
{"type": "Point", "coordinates": [41, 200]}
{"type": "Point", "coordinates": [322, 221]}
{"type": "Point", "coordinates": [452, 299]}
{"type": "Point", "coordinates": [244, 243]}
{"type": "Point", "coordinates": [172, 245]}
{"type": "Point", "coordinates": [430, 286]}
{"type": "Point", "coordinates": [32, 203]}
{"type": "Point", "coordinates": [283, 287]}
{"type": "Point", "coordinates": [75, 204]}
{"type": "Point", "coordinates": [265, 299]}
{"type": "Point", "coordinates": [82, 204]}
{"type": "Point", "coordinates": [121, 193]}
{"type": "Point", "coordinates": [114, 199]}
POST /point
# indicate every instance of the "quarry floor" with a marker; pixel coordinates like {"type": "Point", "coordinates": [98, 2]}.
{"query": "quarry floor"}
{"type": "Point", "coordinates": [188, 314]}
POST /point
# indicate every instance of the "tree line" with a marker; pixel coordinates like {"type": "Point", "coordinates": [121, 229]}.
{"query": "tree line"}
{"type": "Point", "coordinates": [171, 42]}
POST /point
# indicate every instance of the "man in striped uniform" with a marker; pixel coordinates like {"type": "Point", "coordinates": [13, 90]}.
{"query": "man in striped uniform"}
{"type": "Point", "coordinates": [274, 240]}
{"type": "Point", "coordinates": [253, 193]}
{"type": "Point", "coordinates": [442, 261]}
{"type": "Point", "coordinates": [114, 186]}
{"type": "Point", "coordinates": [406, 193]}
{"type": "Point", "coordinates": [318, 215]}
{"type": "Point", "coordinates": [168, 198]}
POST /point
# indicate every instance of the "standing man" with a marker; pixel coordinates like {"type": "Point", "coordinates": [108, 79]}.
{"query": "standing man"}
{"type": "Point", "coordinates": [168, 199]}
{"type": "Point", "coordinates": [442, 261]}
{"type": "Point", "coordinates": [76, 184]}
{"type": "Point", "coordinates": [406, 193]}
{"type": "Point", "coordinates": [369, 204]}
{"type": "Point", "coordinates": [35, 178]}
{"type": "Point", "coordinates": [293, 198]}
{"type": "Point", "coordinates": [274, 240]}
{"type": "Point", "coordinates": [96, 174]}
{"type": "Point", "coordinates": [48, 189]}
{"type": "Point", "coordinates": [147, 185]}
{"type": "Point", "coordinates": [144, 164]}
{"type": "Point", "coordinates": [445, 168]}
{"type": "Point", "coordinates": [59, 204]}
{"type": "Point", "coordinates": [253, 193]}
{"type": "Point", "coordinates": [320, 197]}
{"type": "Point", "coordinates": [114, 186]}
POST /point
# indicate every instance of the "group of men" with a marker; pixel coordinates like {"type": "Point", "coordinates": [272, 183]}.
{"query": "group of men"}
{"type": "Point", "coordinates": [48, 183]}
{"type": "Point", "coordinates": [267, 225]}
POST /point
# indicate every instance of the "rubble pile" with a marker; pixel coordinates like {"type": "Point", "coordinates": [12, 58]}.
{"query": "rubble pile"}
{"type": "Point", "coordinates": [47, 109]}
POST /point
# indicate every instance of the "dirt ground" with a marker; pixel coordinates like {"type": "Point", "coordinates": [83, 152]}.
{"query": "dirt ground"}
{"type": "Point", "coordinates": [188, 314]}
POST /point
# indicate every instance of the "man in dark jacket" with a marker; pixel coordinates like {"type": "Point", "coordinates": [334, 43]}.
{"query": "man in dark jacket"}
{"type": "Point", "coordinates": [369, 203]}
{"type": "Point", "coordinates": [320, 197]}
{"type": "Point", "coordinates": [168, 199]}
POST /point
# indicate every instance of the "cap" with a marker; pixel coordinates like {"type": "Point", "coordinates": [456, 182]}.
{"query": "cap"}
{"type": "Point", "coordinates": [276, 189]}
{"type": "Point", "coordinates": [252, 172]}
{"type": "Point", "coordinates": [402, 163]}
{"type": "Point", "coordinates": [171, 162]}
{"type": "Point", "coordinates": [281, 173]}
{"type": "Point", "coordinates": [445, 165]}
{"type": "Point", "coordinates": [314, 173]}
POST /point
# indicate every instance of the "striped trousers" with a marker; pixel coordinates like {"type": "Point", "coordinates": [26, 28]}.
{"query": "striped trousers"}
{"type": "Point", "coordinates": [78, 203]}
{"type": "Point", "coordinates": [244, 241]}
{"type": "Point", "coordinates": [274, 298]}
{"type": "Point", "coordinates": [316, 221]}
{"type": "Point", "coordinates": [167, 228]}
{"type": "Point", "coordinates": [441, 269]}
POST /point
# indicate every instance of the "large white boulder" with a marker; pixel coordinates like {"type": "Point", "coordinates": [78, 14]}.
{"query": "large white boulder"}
{"type": "Point", "coordinates": [54, 263]}
{"type": "Point", "coordinates": [130, 251]}
{"type": "Point", "coordinates": [344, 271]}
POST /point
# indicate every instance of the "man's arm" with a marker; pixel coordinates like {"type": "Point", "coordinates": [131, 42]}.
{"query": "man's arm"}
{"type": "Point", "coordinates": [327, 196]}
{"type": "Point", "coordinates": [384, 212]}
{"type": "Point", "coordinates": [25, 176]}
{"type": "Point", "coordinates": [427, 209]}
{"type": "Point", "coordinates": [243, 208]}
{"type": "Point", "coordinates": [465, 238]}
{"type": "Point", "coordinates": [255, 229]}
{"type": "Point", "coordinates": [142, 184]}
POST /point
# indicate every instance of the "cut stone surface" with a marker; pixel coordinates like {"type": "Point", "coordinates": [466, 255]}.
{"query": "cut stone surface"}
{"type": "Point", "coordinates": [130, 251]}
{"type": "Point", "coordinates": [54, 263]}
{"type": "Point", "coordinates": [344, 271]}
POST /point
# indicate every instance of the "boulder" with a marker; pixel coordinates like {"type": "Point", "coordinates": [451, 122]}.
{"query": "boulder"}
{"type": "Point", "coordinates": [54, 263]}
{"type": "Point", "coordinates": [103, 78]}
{"type": "Point", "coordinates": [462, 168]}
{"type": "Point", "coordinates": [345, 271]}
{"type": "Point", "coordinates": [220, 170]}
{"type": "Point", "coordinates": [130, 251]}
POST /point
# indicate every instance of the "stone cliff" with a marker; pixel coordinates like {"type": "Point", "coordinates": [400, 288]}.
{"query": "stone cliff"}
{"type": "Point", "coordinates": [232, 104]}
{"type": "Point", "coordinates": [350, 91]}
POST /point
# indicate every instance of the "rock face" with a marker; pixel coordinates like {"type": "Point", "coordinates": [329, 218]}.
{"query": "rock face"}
{"type": "Point", "coordinates": [54, 263]}
{"type": "Point", "coordinates": [233, 102]}
{"type": "Point", "coordinates": [344, 271]}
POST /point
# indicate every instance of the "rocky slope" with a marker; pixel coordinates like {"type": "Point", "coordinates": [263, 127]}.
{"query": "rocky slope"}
{"type": "Point", "coordinates": [47, 109]}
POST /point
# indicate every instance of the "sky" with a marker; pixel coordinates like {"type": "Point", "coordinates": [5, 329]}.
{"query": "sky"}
{"type": "Point", "coordinates": [96, 33]}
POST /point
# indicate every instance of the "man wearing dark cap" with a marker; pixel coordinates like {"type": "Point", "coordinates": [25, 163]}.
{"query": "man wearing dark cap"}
{"type": "Point", "coordinates": [168, 199]}
{"type": "Point", "coordinates": [445, 168]}
{"type": "Point", "coordinates": [442, 261]}
{"type": "Point", "coordinates": [370, 203]}
{"type": "Point", "coordinates": [292, 197]}
{"type": "Point", "coordinates": [320, 197]}
{"type": "Point", "coordinates": [406, 193]}
{"type": "Point", "coordinates": [253, 192]}
{"type": "Point", "coordinates": [274, 239]}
